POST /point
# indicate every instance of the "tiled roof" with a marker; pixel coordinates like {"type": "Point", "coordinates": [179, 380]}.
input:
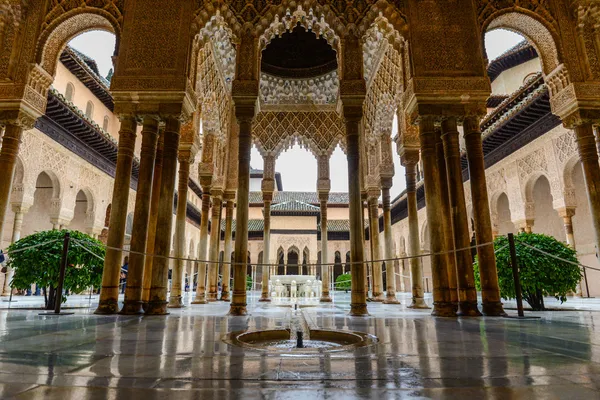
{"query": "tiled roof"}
{"type": "Point", "coordinates": [339, 225]}
{"type": "Point", "coordinates": [296, 206]}
{"type": "Point", "coordinates": [512, 57]}
{"type": "Point", "coordinates": [254, 225]}
{"type": "Point", "coordinates": [304, 197]}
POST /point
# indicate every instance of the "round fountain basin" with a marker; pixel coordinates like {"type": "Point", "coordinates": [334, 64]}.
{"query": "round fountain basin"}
{"type": "Point", "coordinates": [321, 340]}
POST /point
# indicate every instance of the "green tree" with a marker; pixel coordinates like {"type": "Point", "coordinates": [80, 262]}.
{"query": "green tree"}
{"type": "Point", "coordinates": [343, 282]}
{"type": "Point", "coordinates": [540, 275]}
{"type": "Point", "coordinates": [248, 282]}
{"type": "Point", "coordinates": [41, 265]}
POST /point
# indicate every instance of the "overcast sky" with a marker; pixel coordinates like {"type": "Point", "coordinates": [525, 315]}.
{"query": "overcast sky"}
{"type": "Point", "coordinates": [297, 166]}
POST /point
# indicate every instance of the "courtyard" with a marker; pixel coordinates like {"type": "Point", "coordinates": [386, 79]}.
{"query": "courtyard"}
{"type": "Point", "coordinates": [417, 356]}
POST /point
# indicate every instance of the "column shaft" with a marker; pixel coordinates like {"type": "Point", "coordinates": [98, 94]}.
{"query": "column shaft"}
{"type": "Point", "coordinates": [442, 305]}
{"type": "Point", "coordinates": [265, 295]}
{"type": "Point", "coordinates": [157, 304]}
{"type": "Point", "coordinates": [358, 305]}
{"type": "Point", "coordinates": [227, 251]}
{"type": "Point", "coordinates": [414, 247]}
{"type": "Point", "coordinates": [118, 217]}
{"type": "Point", "coordinates": [177, 276]}
{"type": "Point", "coordinates": [376, 248]}
{"type": "Point", "coordinates": [8, 162]}
{"type": "Point", "coordinates": [16, 235]}
{"type": "Point", "coordinates": [202, 245]}
{"type": "Point", "coordinates": [141, 213]}
{"type": "Point", "coordinates": [591, 173]}
{"type": "Point", "coordinates": [325, 270]}
{"type": "Point", "coordinates": [213, 253]}
{"type": "Point", "coordinates": [490, 290]}
{"type": "Point", "coordinates": [152, 220]}
{"type": "Point", "coordinates": [238, 303]}
{"type": "Point", "coordinates": [467, 293]}
{"type": "Point", "coordinates": [390, 297]}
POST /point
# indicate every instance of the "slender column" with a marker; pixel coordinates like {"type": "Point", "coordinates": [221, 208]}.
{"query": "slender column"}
{"type": "Point", "coordinates": [591, 173]}
{"type": "Point", "coordinates": [285, 263]}
{"type": "Point", "coordinates": [213, 253]}
{"type": "Point", "coordinates": [227, 248]}
{"type": "Point", "coordinates": [567, 215]}
{"type": "Point", "coordinates": [410, 159]}
{"type": "Point", "coordinates": [390, 297]}
{"type": "Point", "coordinates": [19, 210]}
{"type": "Point", "coordinates": [490, 290]}
{"type": "Point", "coordinates": [157, 305]}
{"type": "Point", "coordinates": [202, 245]}
{"type": "Point", "coordinates": [265, 296]}
{"type": "Point", "coordinates": [238, 304]}
{"type": "Point", "coordinates": [152, 220]}
{"type": "Point", "coordinates": [358, 304]}
{"type": "Point", "coordinates": [376, 248]}
{"type": "Point", "coordinates": [186, 158]}
{"type": "Point", "coordinates": [8, 161]}
{"type": "Point", "coordinates": [467, 293]}
{"type": "Point", "coordinates": [325, 270]}
{"type": "Point", "coordinates": [139, 234]}
{"type": "Point", "coordinates": [597, 137]}
{"type": "Point", "coordinates": [118, 217]}
{"type": "Point", "coordinates": [442, 305]}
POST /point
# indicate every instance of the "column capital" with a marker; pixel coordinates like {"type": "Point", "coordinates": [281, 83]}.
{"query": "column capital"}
{"type": "Point", "coordinates": [323, 196]}
{"type": "Point", "coordinates": [565, 212]}
{"type": "Point", "coordinates": [216, 193]}
{"type": "Point", "coordinates": [267, 196]}
{"type": "Point", "coordinates": [18, 117]}
{"type": "Point", "coordinates": [20, 207]}
{"type": "Point", "coordinates": [409, 156]}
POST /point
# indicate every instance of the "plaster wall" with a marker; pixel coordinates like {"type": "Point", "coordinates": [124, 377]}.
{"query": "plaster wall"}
{"type": "Point", "coordinates": [511, 80]}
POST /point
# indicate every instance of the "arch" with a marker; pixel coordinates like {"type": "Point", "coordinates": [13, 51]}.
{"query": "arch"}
{"type": "Point", "coordinates": [280, 261]}
{"type": "Point", "coordinates": [89, 110]}
{"type": "Point", "coordinates": [105, 123]}
{"type": "Point", "coordinates": [546, 218]}
{"type": "Point", "coordinates": [58, 33]}
{"type": "Point", "coordinates": [80, 212]}
{"type": "Point", "coordinates": [293, 260]}
{"type": "Point", "coordinates": [129, 224]}
{"type": "Point", "coordinates": [568, 169]}
{"type": "Point", "coordinates": [305, 260]}
{"type": "Point", "coordinates": [501, 207]}
{"type": "Point", "coordinates": [338, 268]}
{"type": "Point", "coordinates": [69, 92]}
{"type": "Point", "coordinates": [537, 31]}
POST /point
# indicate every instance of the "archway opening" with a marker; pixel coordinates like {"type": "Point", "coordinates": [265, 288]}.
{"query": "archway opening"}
{"type": "Point", "coordinates": [38, 217]}
{"type": "Point", "coordinates": [80, 212]}
{"type": "Point", "coordinates": [505, 224]}
{"type": "Point", "coordinates": [547, 220]}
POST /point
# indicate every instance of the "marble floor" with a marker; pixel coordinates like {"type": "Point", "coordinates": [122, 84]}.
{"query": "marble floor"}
{"type": "Point", "coordinates": [182, 355]}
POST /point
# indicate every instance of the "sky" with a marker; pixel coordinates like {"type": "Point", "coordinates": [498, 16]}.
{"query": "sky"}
{"type": "Point", "coordinates": [297, 166]}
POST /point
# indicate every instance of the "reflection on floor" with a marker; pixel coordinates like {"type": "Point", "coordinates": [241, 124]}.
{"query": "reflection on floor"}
{"type": "Point", "coordinates": [89, 356]}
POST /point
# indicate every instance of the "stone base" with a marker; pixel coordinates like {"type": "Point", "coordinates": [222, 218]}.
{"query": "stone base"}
{"type": "Point", "coordinates": [131, 307]}
{"type": "Point", "coordinates": [391, 300]}
{"type": "Point", "coordinates": [443, 310]}
{"type": "Point", "coordinates": [493, 309]}
{"type": "Point", "coordinates": [225, 297]}
{"type": "Point", "coordinates": [358, 310]}
{"type": "Point", "coordinates": [107, 307]}
{"type": "Point", "coordinates": [157, 307]}
{"type": "Point", "coordinates": [418, 303]}
{"type": "Point", "coordinates": [238, 310]}
{"type": "Point", "coordinates": [466, 309]}
{"type": "Point", "coordinates": [199, 301]}
{"type": "Point", "coordinates": [264, 299]}
{"type": "Point", "coordinates": [212, 296]}
{"type": "Point", "coordinates": [175, 302]}
{"type": "Point", "coordinates": [378, 297]}
{"type": "Point", "coordinates": [325, 299]}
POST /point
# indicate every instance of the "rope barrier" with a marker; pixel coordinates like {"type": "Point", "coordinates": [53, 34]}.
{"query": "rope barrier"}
{"type": "Point", "coordinates": [32, 247]}
{"type": "Point", "coordinates": [556, 257]}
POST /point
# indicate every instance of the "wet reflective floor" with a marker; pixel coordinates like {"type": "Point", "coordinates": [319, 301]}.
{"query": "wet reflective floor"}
{"type": "Point", "coordinates": [182, 356]}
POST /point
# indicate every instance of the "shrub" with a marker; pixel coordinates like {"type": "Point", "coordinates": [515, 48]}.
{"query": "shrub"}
{"type": "Point", "coordinates": [41, 265]}
{"type": "Point", "coordinates": [540, 275]}
{"type": "Point", "coordinates": [343, 282]}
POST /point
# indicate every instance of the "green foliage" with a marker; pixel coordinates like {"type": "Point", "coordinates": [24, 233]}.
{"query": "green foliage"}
{"type": "Point", "coordinates": [41, 265]}
{"type": "Point", "coordinates": [343, 282]}
{"type": "Point", "coordinates": [248, 282]}
{"type": "Point", "coordinates": [540, 275]}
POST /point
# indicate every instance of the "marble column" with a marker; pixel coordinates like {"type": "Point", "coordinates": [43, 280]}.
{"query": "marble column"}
{"type": "Point", "coordinates": [285, 263]}
{"type": "Point", "coordinates": [490, 290]}
{"type": "Point", "coordinates": [157, 304]}
{"type": "Point", "coordinates": [467, 293]}
{"type": "Point", "coordinates": [108, 303]}
{"type": "Point", "coordinates": [186, 159]}
{"type": "Point", "coordinates": [202, 246]}
{"type": "Point", "coordinates": [213, 251]}
{"type": "Point", "coordinates": [19, 210]}
{"type": "Point", "coordinates": [597, 137]}
{"type": "Point", "coordinates": [376, 248]}
{"type": "Point", "coordinates": [567, 214]}
{"type": "Point", "coordinates": [244, 115]}
{"type": "Point", "coordinates": [265, 295]}
{"type": "Point", "coordinates": [139, 233]}
{"type": "Point", "coordinates": [390, 295]}
{"type": "Point", "coordinates": [152, 220]}
{"type": "Point", "coordinates": [8, 162]}
{"type": "Point", "coordinates": [410, 159]}
{"type": "Point", "coordinates": [325, 270]}
{"type": "Point", "coordinates": [446, 223]}
{"type": "Point", "coordinates": [227, 247]}
{"type": "Point", "coordinates": [591, 172]}
{"type": "Point", "coordinates": [442, 305]}
{"type": "Point", "coordinates": [358, 304]}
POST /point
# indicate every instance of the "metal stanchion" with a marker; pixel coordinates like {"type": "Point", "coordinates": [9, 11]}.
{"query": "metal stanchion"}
{"type": "Point", "coordinates": [61, 278]}
{"type": "Point", "coordinates": [515, 271]}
